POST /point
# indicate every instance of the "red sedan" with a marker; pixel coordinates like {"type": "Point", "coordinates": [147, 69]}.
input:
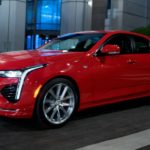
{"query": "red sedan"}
{"type": "Point", "coordinates": [74, 72]}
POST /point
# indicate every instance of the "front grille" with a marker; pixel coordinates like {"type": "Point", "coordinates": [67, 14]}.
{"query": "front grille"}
{"type": "Point", "coordinates": [9, 92]}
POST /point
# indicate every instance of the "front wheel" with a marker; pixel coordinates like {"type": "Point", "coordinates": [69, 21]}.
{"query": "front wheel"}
{"type": "Point", "coordinates": [57, 103]}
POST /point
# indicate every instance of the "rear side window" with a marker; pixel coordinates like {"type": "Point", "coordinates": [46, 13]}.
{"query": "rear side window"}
{"type": "Point", "coordinates": [141, 45]}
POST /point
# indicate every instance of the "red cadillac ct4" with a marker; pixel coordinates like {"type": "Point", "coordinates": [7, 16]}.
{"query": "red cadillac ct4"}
{"type": "Point", "coordinates": [74, 72]}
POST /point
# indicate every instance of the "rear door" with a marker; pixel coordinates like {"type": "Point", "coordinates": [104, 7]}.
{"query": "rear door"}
{"type": "Point", "coordinates": [141, 58]}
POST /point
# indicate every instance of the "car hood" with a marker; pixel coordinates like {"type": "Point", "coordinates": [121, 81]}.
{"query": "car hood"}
{"type": "Point", "coordinates": [22, 59]}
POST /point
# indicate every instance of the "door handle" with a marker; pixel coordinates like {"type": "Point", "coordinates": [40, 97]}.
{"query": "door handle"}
{"type": "Point", "coordinates": [130, 61]}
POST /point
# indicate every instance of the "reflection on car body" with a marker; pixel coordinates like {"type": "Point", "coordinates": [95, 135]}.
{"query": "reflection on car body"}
{"type": "Point", "coordinates": [74, 72]}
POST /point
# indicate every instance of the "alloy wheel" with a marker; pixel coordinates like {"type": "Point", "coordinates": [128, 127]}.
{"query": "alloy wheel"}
{"type": "Point", "coordinates": [58, 103]}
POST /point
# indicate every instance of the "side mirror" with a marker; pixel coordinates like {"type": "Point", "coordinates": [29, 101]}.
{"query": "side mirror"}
{"type": "Point", "coordinates": [110, 49]}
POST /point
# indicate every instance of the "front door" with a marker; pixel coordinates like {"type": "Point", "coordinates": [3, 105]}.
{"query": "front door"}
{"type": "Point", "coordinates": [114, 75]}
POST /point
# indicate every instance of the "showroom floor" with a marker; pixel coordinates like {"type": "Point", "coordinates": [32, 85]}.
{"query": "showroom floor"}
{"type": "Point", "coordinates": [125, 125]}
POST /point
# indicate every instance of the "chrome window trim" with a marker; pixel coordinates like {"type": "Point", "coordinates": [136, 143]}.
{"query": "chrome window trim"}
{"type": "Point", "coordinates": [112, 53]}
{"type": "Point", "coordinates": [22, 79]}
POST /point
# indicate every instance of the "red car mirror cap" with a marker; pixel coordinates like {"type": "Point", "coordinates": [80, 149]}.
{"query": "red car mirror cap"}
{"type": "Point", "coordinates": [110, 49]}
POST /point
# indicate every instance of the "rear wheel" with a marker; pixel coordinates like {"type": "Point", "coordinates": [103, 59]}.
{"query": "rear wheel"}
{"type": "Point", "coordinates": [57, 103]}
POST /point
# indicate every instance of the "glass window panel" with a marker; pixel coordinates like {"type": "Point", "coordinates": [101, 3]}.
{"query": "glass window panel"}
{"type": "Point", "coordinates": [48, 14]}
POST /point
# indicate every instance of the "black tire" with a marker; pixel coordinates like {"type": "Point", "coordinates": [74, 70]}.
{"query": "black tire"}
{"type": "Point", "coordinates": [52, 108]}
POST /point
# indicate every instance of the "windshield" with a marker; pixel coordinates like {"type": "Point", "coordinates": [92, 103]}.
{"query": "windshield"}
{"type": "Point", "coordinates": [74, 42]}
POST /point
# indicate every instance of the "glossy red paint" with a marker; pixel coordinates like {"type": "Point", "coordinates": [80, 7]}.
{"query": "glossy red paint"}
{"type": "Point", "coordinates": [100, 79]}
{"type": "Point", "coordinates": [110, 49]}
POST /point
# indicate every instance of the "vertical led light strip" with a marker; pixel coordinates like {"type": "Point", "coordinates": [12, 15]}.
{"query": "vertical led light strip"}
{"type": "Point", "coordinates": [22, 79]}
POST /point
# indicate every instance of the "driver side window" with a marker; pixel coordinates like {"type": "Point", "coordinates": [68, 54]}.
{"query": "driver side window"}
{"type": "Point", "coordinates": [123, 42]}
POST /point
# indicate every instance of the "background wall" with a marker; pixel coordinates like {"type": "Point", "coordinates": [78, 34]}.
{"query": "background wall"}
{"type": "Point", "coordinates": [64, 16]}
{"type": "Point", "coordinates": [114, 15]}
{"type": "Point", "coordinates": [99, 11]}
{"type": "Point", "coordinates": [127, 14]}
{"type": "Point", "coordinates": [136, 14]}
{"type": "Point", "coordinates": [76, 15]}
{"type": "Point", "coordinates": [12, 24]}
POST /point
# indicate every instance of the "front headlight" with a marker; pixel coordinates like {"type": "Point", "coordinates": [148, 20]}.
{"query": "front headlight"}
{"type": "Point", "coordinates": [11, 74]}
{"type": "Point", "coordinates": [21, 74]}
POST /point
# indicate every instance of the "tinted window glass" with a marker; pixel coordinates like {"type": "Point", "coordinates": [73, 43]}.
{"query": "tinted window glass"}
{"type": "Point", "coordinates": [74, 42]}
{"type": "Point", "coordinates": [141, 45]}
{"type": "Point", "coordinates": [123, 42]}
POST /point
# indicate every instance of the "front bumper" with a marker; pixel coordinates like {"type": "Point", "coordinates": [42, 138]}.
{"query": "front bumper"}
{"type": "Point", "coordinates": [15, 113]}
{"type": "Point", "coordinates": [20, 109]}
{"type": "Point", "coordinates": [24, 107]}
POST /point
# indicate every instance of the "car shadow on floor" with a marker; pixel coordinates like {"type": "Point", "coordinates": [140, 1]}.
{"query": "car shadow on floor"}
{"type": "Point", "coordinates": [116, 107]}
{"type": "Point", "coordinates": [29, 124]}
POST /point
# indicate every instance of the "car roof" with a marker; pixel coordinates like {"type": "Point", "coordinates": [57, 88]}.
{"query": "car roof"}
{"type": "Point", "coordinates": [112, 32]}
{"type": "Point", "coordinates": [105, 31]}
